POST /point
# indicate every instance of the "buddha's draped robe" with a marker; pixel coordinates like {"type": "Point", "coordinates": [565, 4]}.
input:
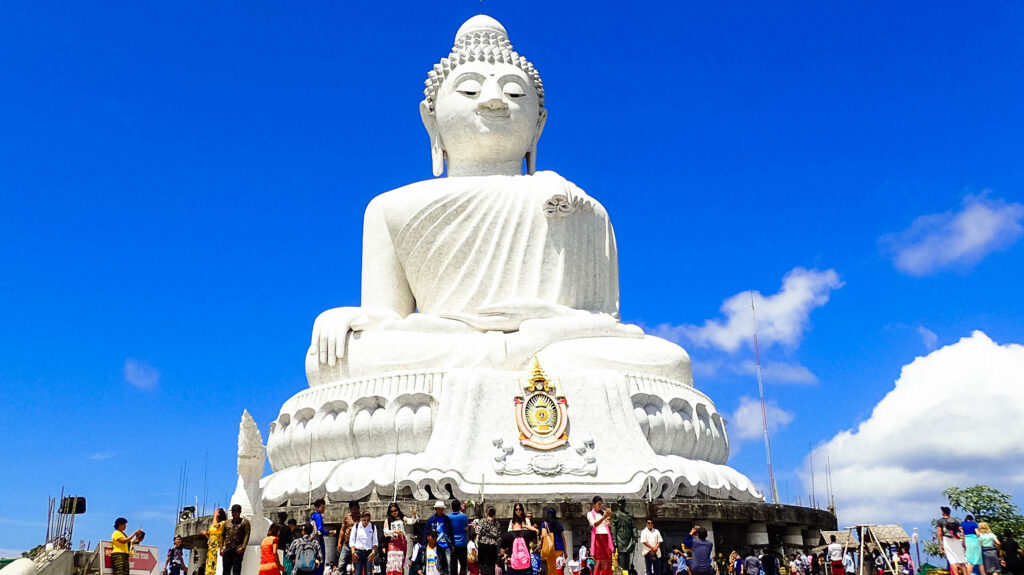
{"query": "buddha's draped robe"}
{"type": "Point", "coordinates": [483, 240]}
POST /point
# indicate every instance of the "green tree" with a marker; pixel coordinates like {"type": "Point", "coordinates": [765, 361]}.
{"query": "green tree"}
{"type": "Point", "coordinates": [989, 505]}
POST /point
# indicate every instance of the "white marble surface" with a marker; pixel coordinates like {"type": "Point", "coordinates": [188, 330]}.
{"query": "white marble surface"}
{"type": "Point", "coordinates": [465, 280]}
{"type": "Point", "coordinates": [251, 459]}
{"type": "Point", "coordinates": [647, 436]}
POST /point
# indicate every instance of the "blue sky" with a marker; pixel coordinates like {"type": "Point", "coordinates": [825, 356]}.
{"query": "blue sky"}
{"type": "Point", "coordinates": [182, 186]}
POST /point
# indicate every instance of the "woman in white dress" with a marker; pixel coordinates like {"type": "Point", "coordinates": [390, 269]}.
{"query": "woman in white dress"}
{"type": "Point", "coordinates": [394, 530]}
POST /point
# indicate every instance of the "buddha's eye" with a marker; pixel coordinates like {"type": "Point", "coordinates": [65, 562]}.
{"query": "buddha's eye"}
{"type": "Point", "coordinates": [469, 88]}
{"type": "Point", "coordinates": [513, 90]}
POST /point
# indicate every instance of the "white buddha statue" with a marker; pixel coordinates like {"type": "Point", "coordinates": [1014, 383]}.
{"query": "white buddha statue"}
{"type": "Point", "coordinates": [488, 266]}
{"type": "Point", "coordinates": [472, 284]}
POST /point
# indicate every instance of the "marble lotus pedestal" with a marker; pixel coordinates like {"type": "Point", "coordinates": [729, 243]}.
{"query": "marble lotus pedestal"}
{"type": "Point", "coordinates": [488, 355]}
{"type": "Point", "coordinates": [456, 431]}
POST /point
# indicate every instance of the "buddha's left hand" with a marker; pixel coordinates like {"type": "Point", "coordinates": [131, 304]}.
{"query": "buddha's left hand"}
{"type": "Point", "coordinates": [508, 315]}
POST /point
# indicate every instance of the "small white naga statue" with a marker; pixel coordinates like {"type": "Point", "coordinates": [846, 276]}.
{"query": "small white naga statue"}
{"type": "Point", "coordinates": [251, 456]}
{"type": "Point", "coordinates": [466, 278]}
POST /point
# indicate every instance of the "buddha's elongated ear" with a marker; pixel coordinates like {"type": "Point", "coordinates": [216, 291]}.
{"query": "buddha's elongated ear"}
{"type": "Point", "coordinates": [531, 155]}
{"type": "Point", "coordinates": [436, 146]}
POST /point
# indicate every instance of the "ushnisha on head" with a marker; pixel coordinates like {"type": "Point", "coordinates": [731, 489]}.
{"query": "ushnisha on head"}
{"type": "Point", "coordinates": [483, 105]}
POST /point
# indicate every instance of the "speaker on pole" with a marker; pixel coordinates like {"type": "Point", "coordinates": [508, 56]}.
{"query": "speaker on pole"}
{"type": "Point", "coordinates": [72, 505]}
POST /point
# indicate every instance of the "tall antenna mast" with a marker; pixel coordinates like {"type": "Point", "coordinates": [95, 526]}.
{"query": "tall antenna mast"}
{"type": "Point", "coordinates": [828, 476]}
{"type": "Point", "coordinates": [764, 410]}
{"type": "Point", "coordinates": [310, 469]}
{"type": "Point", "coordinates": [814, 493]}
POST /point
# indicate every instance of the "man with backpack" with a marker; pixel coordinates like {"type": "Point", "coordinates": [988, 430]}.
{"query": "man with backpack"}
{"type": "Point", "coordinates": [305, 552]}
{"type": "Point", "coordinates": [363, 542]}
{"type": "Point", "coordinates": [175, 564]}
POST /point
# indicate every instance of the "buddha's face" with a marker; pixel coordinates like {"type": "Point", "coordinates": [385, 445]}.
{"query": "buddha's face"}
{"type": "Point", "coordinates": [487, 112]}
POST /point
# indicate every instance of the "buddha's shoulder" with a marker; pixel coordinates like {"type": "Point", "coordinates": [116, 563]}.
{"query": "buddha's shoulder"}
{"type": "Point", "coordinates": [405, 193]}
{"type": "Point", "coordinates": [418, 194]}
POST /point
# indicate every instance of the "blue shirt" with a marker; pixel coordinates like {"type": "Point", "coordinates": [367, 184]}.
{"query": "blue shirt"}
{"type": "Point", "coordinates": [436, 524]}
{"type": "Point", "coordinates": [555, 528]}
{"type": "Point", "coordinates": [701, 562]}
{"type": "Point", "coordinates": [459, 523]}
{"type": "Point", "coordinates": [969, 527]}
{"type": "Point", "coordinates": [318, 522]}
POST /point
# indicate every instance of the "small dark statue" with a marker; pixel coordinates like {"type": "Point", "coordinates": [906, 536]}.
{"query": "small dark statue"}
{"type": "Point", "coordinates": [624, 533]}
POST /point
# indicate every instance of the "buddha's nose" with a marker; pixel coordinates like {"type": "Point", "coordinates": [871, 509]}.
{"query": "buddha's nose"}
{"type": "Point", "coordinates": [490, 97]}
{"type": "Point", "coordinates": [495, 103]}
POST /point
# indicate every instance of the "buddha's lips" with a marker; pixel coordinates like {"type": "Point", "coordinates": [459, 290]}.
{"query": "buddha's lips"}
{"type": "Point", "coordinates": [494, 114]}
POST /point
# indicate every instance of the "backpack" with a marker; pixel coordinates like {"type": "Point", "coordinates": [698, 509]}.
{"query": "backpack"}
{"type": "Point", "coordinates": [305, 557]}
{"type": "Point", "coordinates": [520, 555]}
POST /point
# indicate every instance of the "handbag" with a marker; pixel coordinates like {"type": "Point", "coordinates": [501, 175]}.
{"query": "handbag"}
{"type": "Point", "coordinates": [547, 546]}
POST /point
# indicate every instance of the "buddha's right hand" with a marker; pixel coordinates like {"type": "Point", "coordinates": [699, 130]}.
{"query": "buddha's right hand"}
{"type": "Point", "coordinates": [331, 328]}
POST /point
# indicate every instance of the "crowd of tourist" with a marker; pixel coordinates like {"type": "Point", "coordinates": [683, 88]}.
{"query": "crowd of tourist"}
{"type": "Point", "coordinates": [449, 543]}
{"type": "Point", "coordinates": [445, 543]}
{"type": "Point", "coordinates": [970, 546]}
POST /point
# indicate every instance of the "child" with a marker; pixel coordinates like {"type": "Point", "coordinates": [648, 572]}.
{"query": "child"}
{"type": "Point", "coordinates": [535, 561]}
{"type": "Point", "coordinates": [430, 559]}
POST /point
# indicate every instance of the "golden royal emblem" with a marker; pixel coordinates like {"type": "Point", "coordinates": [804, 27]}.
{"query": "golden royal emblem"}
{"type": "Point", "coordinates": [541, 415]}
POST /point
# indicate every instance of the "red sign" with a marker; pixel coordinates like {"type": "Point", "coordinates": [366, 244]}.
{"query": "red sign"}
{"type": "Point", "coordinates": [144, 560]}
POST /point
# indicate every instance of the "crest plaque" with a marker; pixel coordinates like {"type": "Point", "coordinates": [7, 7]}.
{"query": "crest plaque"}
{"type": "Point", "coordinates": [541, 415]}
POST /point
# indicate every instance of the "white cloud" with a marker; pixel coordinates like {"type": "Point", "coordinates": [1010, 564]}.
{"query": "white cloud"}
{"type": "Point", "coordinates": [948, 421]}
{"type": "Point", "coordinates": [781, 317]}
{"type": "Point", "coordinates": [777, 371]}
{"type": "Point", "coordinates": [140, 374]}
{"type": "Point", "coordinates": [746, 422]}
{"type": "Point", "coordinates": [955, 239]}
{"type": "Point", "coordinates": [101, 456]}
{"type": "Point", "coordinates": [928, 337]}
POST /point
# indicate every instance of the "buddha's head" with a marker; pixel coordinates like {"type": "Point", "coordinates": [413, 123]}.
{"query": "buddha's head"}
{"type": "Point", "coordinates": [483, 105]}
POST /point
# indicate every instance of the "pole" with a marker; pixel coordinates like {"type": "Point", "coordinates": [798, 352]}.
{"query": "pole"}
{"type": "Point", "coordinates": [814, 495]}
{"type": "Point", "coordinates": [860, 554]}
{"type": "Point", "coordinates": [394, 475]}
{"type": "Point", "coordinates": [309, 469]}
{"type": "Point", "coordinates": [917, 545]}
{"type": "Point", "coordinates": [49, 516]}
{"type": "Point", "coordinates": [828, 476]}
{"type": "Point", "coordinates": [206, 471]}
{"type": "Point", "coordinates": [764, 410]}
{"type": "Point", "coordinates": [184, 492]}
{"type": "Point", "coordinates": [883, 551]}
